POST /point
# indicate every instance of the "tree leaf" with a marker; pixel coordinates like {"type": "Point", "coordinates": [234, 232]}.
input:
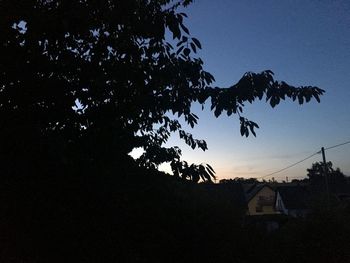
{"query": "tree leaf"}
{"type": "Point", "coordinates": [196, 41]}
{"type": "Point", "coordinates": [184, 28]}
{"type": "Point", "coordinates": [187, 51]}
{"type": "Point", "coordinates": [193, 47]}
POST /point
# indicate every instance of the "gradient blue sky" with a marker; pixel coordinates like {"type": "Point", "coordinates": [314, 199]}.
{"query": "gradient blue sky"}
{"type": "Point", "coordinates": [304, 43]}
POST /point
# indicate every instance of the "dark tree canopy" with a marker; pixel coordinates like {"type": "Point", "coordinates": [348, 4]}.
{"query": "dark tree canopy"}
{"type": "Point", "coordinates": [316, 174]}
{"type": "Point", "coordinates": [84, 82]}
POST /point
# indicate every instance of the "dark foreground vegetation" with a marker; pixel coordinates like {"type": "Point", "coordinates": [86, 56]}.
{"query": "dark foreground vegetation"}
{"type": "Point", "coordinates": [82, 84]}
{"type": "Point", "coordinates": [144, 216]}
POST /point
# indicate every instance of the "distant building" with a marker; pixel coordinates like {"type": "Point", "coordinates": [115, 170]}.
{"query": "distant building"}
{"type": "Point", "coordinates": [292, 201]}
{"type": "Point", "coordinates": [261, 200]}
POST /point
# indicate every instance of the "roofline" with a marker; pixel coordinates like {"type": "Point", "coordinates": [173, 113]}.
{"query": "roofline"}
{"type": "Point", "coordinates": [260, 190]}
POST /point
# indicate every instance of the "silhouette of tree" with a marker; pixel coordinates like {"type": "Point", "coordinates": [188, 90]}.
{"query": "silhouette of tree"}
{"type": "Point", "coordinates": [239, 180]}
{"type": "Point", "coordinates": [84, 82]}
{"type": "Point", "coordinates": [316, 174]}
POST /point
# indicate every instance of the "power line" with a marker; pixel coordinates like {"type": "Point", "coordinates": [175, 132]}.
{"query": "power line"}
{"type": "Point", "coordinates": [338, 145]}
{"type": "Point", "coordinates": [289, 166]}
{"type": "Point", "coordinates": [294, 164]}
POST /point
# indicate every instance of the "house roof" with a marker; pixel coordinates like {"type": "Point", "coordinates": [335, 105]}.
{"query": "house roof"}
{"type": "Point", "coordinates": [250, 193]}
{"type": "Point", "coordinates": [294, 197]}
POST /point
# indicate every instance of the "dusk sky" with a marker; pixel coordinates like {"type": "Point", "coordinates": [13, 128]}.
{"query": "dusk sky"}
{"type": "Point", "coordinates": [303, 43]}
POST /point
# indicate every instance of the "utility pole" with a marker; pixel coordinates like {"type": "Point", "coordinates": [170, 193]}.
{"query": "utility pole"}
{"type": "Point", "coordinates": [325, 171]}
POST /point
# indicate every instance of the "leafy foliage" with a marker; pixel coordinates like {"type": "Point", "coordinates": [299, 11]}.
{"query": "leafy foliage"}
{"type": "Point", "coordinates": [84, 82]}
{"type": "Point", "coordinates": [316, 174]}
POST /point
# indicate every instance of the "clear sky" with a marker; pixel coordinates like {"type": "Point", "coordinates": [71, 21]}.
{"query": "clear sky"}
{"type": "Point", "coordinates": [303, 43]}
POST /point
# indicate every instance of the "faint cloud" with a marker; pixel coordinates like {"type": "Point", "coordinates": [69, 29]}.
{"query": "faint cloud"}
{"type": "Point", "coordinates": [283, 156]}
